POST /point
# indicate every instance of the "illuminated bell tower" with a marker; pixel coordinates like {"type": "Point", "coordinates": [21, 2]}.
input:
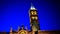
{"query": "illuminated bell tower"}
{"type": "Point", "coordinates": [34, 24]}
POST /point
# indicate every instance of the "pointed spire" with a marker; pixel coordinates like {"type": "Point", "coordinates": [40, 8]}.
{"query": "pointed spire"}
{"type": "Point", "coordinates": [32, 7]}
{"type": "Point", "coordinates": [26, 27]}
{"type": "Point", "coordinates": [22, 27]}
{"type": "Point", "coordinates": [18, 28]}
{"type": "Point", "coordinates": [10, 29]}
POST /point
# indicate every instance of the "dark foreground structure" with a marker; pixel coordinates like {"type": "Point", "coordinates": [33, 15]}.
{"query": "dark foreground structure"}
{"type": "Point", "coordinates": [41, 32]}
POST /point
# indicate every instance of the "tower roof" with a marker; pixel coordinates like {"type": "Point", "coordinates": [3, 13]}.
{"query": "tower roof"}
{"type": "Point", "coordinates": [32, 7]}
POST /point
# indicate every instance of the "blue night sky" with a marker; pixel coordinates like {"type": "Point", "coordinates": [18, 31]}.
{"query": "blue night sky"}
{"type": "Point", "coordinates": [14, 13]}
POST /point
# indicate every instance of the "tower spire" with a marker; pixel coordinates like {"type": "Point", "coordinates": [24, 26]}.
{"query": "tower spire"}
{"type": "Point", "coordinates": [32, 7]}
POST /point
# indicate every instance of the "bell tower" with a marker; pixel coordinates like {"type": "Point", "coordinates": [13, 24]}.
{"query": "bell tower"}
{"type": "Point", "coordinates": [34, 24]}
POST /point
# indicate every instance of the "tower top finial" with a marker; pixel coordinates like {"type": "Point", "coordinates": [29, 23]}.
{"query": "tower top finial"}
{"type": "Point", "coordinates": [32, 7]}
